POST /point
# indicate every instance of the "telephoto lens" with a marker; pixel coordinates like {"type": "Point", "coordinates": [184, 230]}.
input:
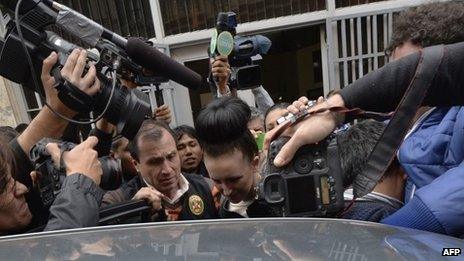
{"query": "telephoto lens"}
{"type": "Point", "coordinates": [127, 109]}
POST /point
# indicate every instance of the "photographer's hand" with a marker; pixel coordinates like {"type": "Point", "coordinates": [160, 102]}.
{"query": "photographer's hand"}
{"type": "Point", "coordinates": [221, 71]}
{"type": "Point", "coordinates": [74, 68]}
{"type": "Point", "coordinates": [152, 196]}
{"type": "Point", "coordinates": [83, 159]}
{"type": "Point", "coordinates": [46, 123]}
{"type": "Point", "coordinates": [310, 130]}
{"type": "Point", "coordinates": [48, 83]}
{"type": "Point", "coordinates": [72, 72]}
{"type": "Point", "coordinates": [163, 113]}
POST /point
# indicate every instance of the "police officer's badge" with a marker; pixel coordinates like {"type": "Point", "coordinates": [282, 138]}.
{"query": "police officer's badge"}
{"type": "Point", "coordinates": [196, 205]}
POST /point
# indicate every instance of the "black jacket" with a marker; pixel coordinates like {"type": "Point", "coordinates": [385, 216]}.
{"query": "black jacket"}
{"type": "Point", "coordinates": [382, 89]}
{"type": "Point", "coordinates": [77, 205]}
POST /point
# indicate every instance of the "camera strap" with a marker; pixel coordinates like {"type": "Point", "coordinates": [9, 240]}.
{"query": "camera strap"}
{"type": "Point", "coordinates": [292, 119]}
{"type": "Point", "coordinates": [385, 150]}
{"type": "Point", "coordinates": [70, 95]}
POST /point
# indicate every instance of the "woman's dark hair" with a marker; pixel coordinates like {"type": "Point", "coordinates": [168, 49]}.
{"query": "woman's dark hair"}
{"type": "Point", "coordinates": [185, 130]}
{"type": "Point", "coordinates": [7, 165]}
{"type": "Point", "coordinates": [222, 128]}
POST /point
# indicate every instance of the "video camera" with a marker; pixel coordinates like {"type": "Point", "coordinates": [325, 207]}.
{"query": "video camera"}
{"type": "Point", "coordinates": [243, 52]}
{"type": "Point", "coordinates": [51, 177]}
{"type": "Point", "coordinates": [128, 59]}
{"type": "Point", "coordinates": [126, 108]}
{"type": "Point", "coordinates": [310, 185]}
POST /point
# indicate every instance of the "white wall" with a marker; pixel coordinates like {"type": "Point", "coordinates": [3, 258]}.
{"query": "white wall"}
{"type": "Point", "coordinates": [182, 107]}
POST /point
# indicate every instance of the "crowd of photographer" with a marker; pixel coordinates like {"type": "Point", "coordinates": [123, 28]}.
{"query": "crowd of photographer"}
{"type": "Point", "coordinates": [267, 161]}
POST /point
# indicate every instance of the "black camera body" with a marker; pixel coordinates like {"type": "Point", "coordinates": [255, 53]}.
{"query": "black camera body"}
{"type": "Point", "coordinates": [51, 178]}
{"type": "Point", "coordinates": [310, 185]}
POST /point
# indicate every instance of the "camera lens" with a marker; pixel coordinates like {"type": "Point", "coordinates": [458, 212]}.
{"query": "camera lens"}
{"type": "Point", "coordinates": [127, 109]}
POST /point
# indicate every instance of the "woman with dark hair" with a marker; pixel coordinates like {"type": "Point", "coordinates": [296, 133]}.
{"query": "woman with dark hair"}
{"type": "Point", "coordinates": [231, 156]}
{"type": "Point", "coordinates": [190, 151]}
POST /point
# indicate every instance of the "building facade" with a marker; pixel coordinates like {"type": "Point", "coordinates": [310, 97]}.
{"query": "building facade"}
{"type": "Point", "coordinates": [318, 45]}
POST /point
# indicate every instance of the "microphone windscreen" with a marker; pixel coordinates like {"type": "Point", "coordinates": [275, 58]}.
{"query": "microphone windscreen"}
{"type": "Point", "coordinates": [225, 43]}
{"type": "Point", "coordinates": [264, 44]}
{"type": "Point", "coordinates": [152, 59]}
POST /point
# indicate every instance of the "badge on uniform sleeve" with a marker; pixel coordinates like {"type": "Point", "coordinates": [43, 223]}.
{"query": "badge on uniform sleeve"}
{"type": "Point", "coordinates": [196, 205]}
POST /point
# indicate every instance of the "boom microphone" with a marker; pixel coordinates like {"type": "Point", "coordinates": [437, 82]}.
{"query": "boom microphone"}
{"type": "Point", "coordinates": [152, 59]}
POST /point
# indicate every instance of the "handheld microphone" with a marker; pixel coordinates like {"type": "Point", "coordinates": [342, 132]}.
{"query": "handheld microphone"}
{"type": "Point", "coordinates": [222, 40]}
{"type": "Point", "coordinates": [152, 59]}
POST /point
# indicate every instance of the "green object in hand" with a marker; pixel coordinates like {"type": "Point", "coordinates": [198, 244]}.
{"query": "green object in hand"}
{"type": "Point", "coordinates": [260, 141]}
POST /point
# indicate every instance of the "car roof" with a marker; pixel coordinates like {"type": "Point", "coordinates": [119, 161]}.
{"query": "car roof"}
{"type": "Point", "coordinates": [242, 239]}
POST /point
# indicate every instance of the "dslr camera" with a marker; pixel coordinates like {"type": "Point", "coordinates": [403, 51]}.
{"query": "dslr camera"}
{"type": "Point", "coordinates": [310, 185]}
{"type": "Point", "coordinates": [51, 177]}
